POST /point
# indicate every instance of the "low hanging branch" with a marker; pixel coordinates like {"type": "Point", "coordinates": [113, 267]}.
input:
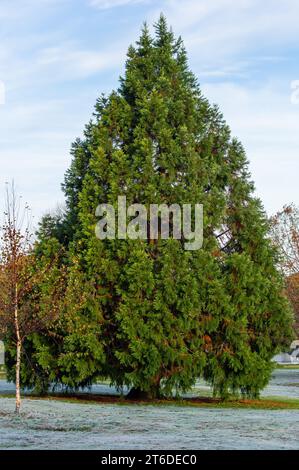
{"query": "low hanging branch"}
{"type": "Point", "coordinates": [25, 307]}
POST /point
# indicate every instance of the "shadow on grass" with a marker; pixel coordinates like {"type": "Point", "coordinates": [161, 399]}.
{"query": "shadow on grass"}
{"type": "Point", "coordinates": [269, 403]}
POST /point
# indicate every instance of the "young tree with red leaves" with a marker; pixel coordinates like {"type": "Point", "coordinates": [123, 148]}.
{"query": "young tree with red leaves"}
{"type": "Point", "coordinates": [285, 234]}
{"type": "Point", "coordinates": [28, 296]}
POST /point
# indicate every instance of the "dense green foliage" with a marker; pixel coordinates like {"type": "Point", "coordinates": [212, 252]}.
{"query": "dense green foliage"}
{"type": "Point", "coordinates": [149, 314]}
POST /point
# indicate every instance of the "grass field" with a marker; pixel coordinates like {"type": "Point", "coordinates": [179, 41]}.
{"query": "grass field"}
{"type": "Point", "coordinates": [100, 418]}
{"type": "Point", "coordinates": [57, 424]}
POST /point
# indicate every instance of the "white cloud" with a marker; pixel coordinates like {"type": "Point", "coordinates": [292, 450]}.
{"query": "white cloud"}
{"type": "Point", "coordinates": [18, 9]}
{"type": "Point", "coordinates": [221, 29]}
{"type": "Point", "coordinates": [106, 4]}
{"type": "Point", "coordinates": [69, 61]}
{"type": "Point", "coordinates": [35, 140]}
{"type": "Point", "coordinates": [267, 124]}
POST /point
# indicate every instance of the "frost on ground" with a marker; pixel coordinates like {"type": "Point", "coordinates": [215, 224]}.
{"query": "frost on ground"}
{"type": "Point", "coordinates": [46, 424]}
{"type": "Point", "coordinates": [49, 424]}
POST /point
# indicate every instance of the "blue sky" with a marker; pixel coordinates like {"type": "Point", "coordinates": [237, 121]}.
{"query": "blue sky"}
{"type": "Point", "coordinates": [58, 56]}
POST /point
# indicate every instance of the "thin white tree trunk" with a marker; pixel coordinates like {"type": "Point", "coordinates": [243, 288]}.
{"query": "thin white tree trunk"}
{"type": "Point", "coordinates": [18, 366]}
{"type": "Point", "coordinates": [19, 347]}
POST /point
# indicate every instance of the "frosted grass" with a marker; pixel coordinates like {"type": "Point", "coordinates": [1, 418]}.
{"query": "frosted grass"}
{"type": "Point", "coordinates": [50, 424]}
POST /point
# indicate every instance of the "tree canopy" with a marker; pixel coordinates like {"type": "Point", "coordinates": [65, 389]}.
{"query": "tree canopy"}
{"type": "Point", "coordinates": [149, 314]}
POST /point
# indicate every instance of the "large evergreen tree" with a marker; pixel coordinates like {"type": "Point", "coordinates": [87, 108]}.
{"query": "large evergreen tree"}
{"type": "Point", "coordinates": [159, 316]}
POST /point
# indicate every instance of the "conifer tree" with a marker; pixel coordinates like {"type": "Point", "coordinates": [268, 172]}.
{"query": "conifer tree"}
{"type": "Point", "coordinates": [163, 316]}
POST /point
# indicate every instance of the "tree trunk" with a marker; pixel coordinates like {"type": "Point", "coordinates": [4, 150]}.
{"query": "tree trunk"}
{"type": "Point", "coordinates": [19, 347]}
{"type": "Point", "coordinates": [138, 394]}
{"type": "Point", "coordinates": [18, 366]}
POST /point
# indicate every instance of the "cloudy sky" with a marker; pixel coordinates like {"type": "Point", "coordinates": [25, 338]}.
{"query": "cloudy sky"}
{"type": "Point", "coordinates": [58, 56]}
